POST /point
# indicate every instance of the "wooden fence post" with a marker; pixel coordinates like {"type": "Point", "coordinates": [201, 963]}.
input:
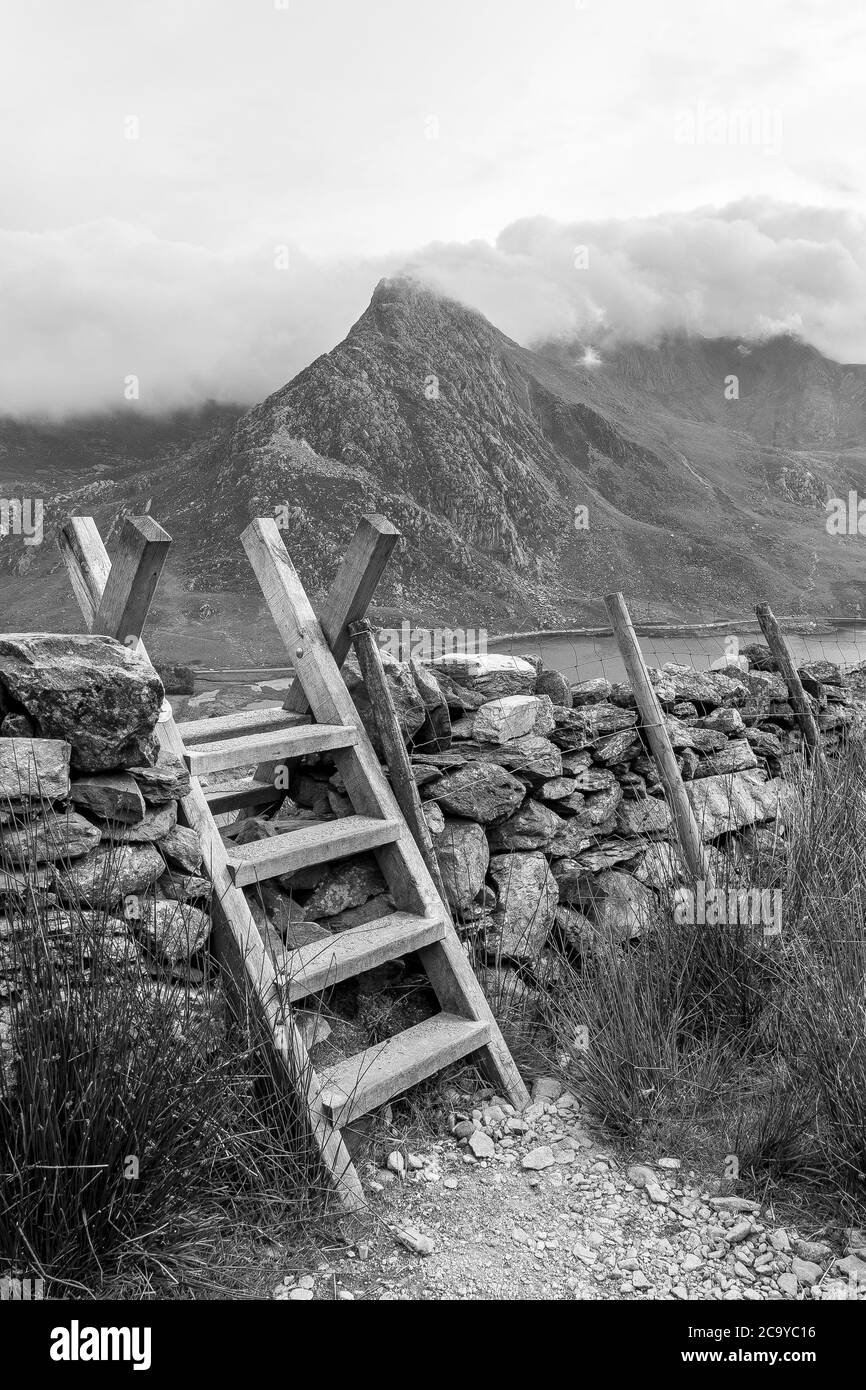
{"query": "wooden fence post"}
{"type": "Point", "coordinates": [652, 720]}
{"type": "Point", "coordinates": [781, 653]}
{"type": "Point", "coordinates": [403, 783]}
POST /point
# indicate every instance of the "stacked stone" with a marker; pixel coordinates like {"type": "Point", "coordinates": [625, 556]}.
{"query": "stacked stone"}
{"type": "Point", "coordinates": [88, 805]}
{"type": "Point", "coordinates": [545, 806]}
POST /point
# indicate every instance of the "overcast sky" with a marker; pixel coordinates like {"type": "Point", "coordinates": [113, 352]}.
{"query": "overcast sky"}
{"type": "Point", "coordinates": [156, 153]}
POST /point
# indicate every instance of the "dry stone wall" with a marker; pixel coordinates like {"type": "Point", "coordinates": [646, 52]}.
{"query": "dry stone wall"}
{"type": "Point", "coordinates": [88, 806]}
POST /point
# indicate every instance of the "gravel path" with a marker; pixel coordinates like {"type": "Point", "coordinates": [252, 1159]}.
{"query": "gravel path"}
{"type": "Point", "coordinates": [533, 1206]}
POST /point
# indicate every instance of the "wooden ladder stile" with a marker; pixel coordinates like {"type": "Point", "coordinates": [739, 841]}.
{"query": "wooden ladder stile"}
{"type": "Point", "coordinates": [318, 715]}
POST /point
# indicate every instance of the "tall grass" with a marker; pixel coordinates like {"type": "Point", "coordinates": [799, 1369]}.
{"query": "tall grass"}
{"type": "Point", "coordinates": [138, 1131]}
{"type": "Point", "coordinates": [718, 1042]}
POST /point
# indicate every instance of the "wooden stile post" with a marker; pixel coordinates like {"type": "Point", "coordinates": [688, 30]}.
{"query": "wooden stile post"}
{"type": "Point", "coordinates": [403, 784]}
{"type": "Point", "coordinates": [782, 656]}
{"type": "Point", "coordinates": [652, 720]}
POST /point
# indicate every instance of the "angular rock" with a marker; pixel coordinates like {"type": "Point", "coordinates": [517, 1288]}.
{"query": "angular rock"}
{"type": "Point", "coordinates": [463, 855]}
{"type": "Point", "coordinates": [435, 733]}
{"type": "Point", "coordinates": [614, 749]}
{"type": "Point", "coordinates": [554, 685]}
{"type": "Point", "coordinates": [648, 817]}
{"type": "Point", "coordinates": [108, 875]}
{"type": "Point", "coordinates": [722, 804]}
{"type": "Point", "coordinates": [113, 796]}
{"type": "Point", "coordinates": [407, 701]}
{"type": "Point", "coordinates": [34, 769]}
{"type": "Point", "coordinates": [184, 888]}
{"type": "Point", "coordinates": [560, 789]}
{"type": "Point", "coordinates": [493, 675]}
{"type": "Point", "coordinates": [157, 823]}
{"type": "Point", "coordinates": [166, 780]}
{"type": "Point", "coordinates": [480, 791]}
{"type": "Point", "coordinates": [531, 758]}
{"type": "Point", "coordinates": [738, 756]}
{"type": "Point", "coordinates": [532, 826]}
{"type": "Point", "coordinates": [583, 726]}
{"type": "Point", "coordinates": [344, 884]}
{"type": "Point", "coordinates": [172, 930]}
{"type": "Point", "coordinates": [528, 899]}
{"type": "Point", "coordinates": [538, 1159]}
{"type": "Point", "coordinates": [592, 692]}
{"type": "Point", "coordinates": [49, 838]}
{"type": "Point", "coordinates": [704, 688]}
{"type": "Point", "coordinates": [724, 720]}
{"type": "Point", "coordinates": [498, 721]}
{"type": "Point", "coordinates": [94, 693]}
{"type": "Point", "coordinates": [660, 867]}
{"type": "Point", "coordinates": [182, 847]}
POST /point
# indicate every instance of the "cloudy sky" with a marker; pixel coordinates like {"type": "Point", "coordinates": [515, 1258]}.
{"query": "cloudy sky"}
{"type": "Point", "coordinates": [203, 193]}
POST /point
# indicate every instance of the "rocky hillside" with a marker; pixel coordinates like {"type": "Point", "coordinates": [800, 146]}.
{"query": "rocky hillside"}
{"type": "Point", "coordinates": [480, 451]}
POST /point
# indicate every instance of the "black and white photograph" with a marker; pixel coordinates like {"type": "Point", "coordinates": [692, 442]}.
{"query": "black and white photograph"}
{"type": "Point", "coordinates": [432, 670]}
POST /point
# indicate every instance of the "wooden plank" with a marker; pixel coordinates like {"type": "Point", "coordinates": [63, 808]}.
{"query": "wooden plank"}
{"type": "Point", "coordinates": [370, 1078]}
{"type": "Point", "coordinates": [315, 844]}
{"type": "Point", "coordinates": [354, 585]}
{"type": "Point", "coordinates": [247, 721]}
{"type": "Point", "coordinates": [403, 783]}
{"type": "Point", "coordinates": [653, 724]}
{"type": "Point", "coordinates": [231, 796]}
{"type": "Point", "coordinates": [322, 964]}
{"type": "Point", "coordinates": [239, 945]}
{"type": "Point", "coordinates": [782, 656]}
{"type": "Point", "coordinates": [87, 563]}
{"type": "Point", "coordinates": [141, 553]}
{"type": "Point", "coordinates": [281, 743]}
{"type": "Point", "coordinates": [409, 881]}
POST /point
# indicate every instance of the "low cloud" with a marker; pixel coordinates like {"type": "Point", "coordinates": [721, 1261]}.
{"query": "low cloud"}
{"type": "Point", "coordinates": [87, 308]}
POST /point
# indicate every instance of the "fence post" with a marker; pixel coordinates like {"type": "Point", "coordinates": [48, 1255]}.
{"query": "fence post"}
{"type": "Point", "coordinates": [403, 783]}
{"type": "Point", "coordinates": [652, 720]}
{"type": "Point", "coordinates": [782, 656]}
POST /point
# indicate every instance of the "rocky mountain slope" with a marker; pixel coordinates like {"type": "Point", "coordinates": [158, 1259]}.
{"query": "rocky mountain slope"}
{"type": "Point", "coordinates": [701, 497]}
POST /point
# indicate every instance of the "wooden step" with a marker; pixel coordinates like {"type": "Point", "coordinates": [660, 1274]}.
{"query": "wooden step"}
{"type": "Point", "coordinates": [246, 721]}
{"type": "Point", "coordinates": [275, 746]}
{"type": "Point", "coordinates": [368, 1079]}
{"type": "Point", "coordinates": [312, 968]}
{"type": "Point", "coordinates": [283, 854]}
{"type": "Point", "coordinates": [234, 796]}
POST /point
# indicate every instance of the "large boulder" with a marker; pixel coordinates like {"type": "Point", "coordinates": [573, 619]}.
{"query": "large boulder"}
{"type": "Point", "coordinates": [479, 791]}
{"type": "Point", "coordinates": [527, 902]}
{"type": "Point", "coordinates": [491, 675]}
{"type": "Point", "coordinates": [706, 689]}
{"type": "Point", "coordinates": [463, 856]}
{"type": "Point", "coordinates": [36, 769]}
{"type": "Point", "coordinates": [96, 694]}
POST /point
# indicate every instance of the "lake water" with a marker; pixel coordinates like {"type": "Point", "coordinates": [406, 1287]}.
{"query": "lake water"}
{"type": "Point", "coordinates": [582, 658]}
